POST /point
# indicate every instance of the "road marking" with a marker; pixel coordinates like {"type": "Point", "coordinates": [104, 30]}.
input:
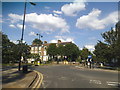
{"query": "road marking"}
{"type": "Point", "coordinates": [95, 81]}
{"type": "Point", "coordinates": [113, 83]}
{"type": "Point", "coordinates": [63, 78]}
{"type": "Point", "coordinates": [39, 81]}
{"type": "Point", "coordinates": [45, 84]}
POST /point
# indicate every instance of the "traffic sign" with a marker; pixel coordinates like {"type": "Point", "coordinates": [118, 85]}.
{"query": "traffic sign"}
{"type": "Point", "coordinates": [89, 56]}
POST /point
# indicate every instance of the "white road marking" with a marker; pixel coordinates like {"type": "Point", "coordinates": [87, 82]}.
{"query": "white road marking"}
{"type": "Point", "coordinates": [112, 83]}
{"type": "Point", "coordinates": [45, 84]}
{"type": "Point", "coordinates": [95, 81]}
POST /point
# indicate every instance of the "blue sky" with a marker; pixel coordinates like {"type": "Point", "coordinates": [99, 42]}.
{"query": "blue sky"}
{"type": "Point", "coordinates": [82, 23]}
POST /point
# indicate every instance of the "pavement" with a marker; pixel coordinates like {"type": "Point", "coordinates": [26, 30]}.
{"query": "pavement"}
{"type": "Point", "coordinates": [12, 78]}
{"type": "Point", "coordinates": [97, 68]}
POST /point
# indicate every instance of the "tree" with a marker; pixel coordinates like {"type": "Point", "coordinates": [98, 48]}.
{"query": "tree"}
{"type": "Point", "coordinates": [102, 52]}
{"type": "Point", "coordinates": [12, 52]}
{"type": "Point", "coordinates": [7, 50]}
{"type": "Point", "coordinates": [37, 42]}
{"type": "Point", "coordinates": [24, 50]}
{"type": "Point", "coordinates": [60, 50]}
{"type": "Point", "coordinates": [112, 38]}
{"type": "Point", "coordinates": [71, 51]}
{"type": "Point", "coordinates": [84, 53]}
{"type": "Point", "coordinates": [52, 50]}
{"type": "Point", "coordinates": [35, 56]}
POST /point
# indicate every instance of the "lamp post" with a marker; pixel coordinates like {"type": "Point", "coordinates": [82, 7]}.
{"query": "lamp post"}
{"type": "Point", "coordinates": [21, 41]}
{"type": "Point", "coordinates": [39, 35]}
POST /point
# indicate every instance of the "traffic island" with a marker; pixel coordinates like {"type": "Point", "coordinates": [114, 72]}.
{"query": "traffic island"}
{"type": "Point", "coordinates": [17, 79]}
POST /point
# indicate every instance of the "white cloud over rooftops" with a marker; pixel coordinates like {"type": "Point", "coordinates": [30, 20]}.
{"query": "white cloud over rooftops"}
{"type": "Point", "coordinates": [32, 34]}
{"type": "Point", "coordinates": [63, 39]}
{"type": "Point", "coordinates": [90, 47]}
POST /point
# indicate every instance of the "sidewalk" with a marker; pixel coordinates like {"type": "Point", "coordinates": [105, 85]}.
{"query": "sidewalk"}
{"type": "Point", "coordinates": [13, 78]}
{"type": "Point", "coordinates": [96, 68]}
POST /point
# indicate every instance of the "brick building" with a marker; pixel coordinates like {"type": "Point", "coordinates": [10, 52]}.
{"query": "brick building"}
{"type": "Point", "coordinates": [41, 50]}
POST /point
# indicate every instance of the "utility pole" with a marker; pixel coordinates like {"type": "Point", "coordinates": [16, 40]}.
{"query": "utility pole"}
{"type": "Point", "coordinates": [39, 36]}
{"type": "Point", "coordinates": [23, 28]}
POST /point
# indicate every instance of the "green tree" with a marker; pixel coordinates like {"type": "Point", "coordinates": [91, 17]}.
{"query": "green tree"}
{"type": "Point", "coordinates": [35, 56]}
{"type": "Point", "coordinates": [112, 38]}
{"type": "Point", "coordinates": [52, 50]}
{"type": "Point", "coordinates": [102, 52]}
{"type": "Point", "coordinates": [24, 50]}
{"type": "Point", "coordinates": [84, 53]}
{"type": "Point", "coordinates": [7, 50]}
{"type": "Point", "coordinates": [71, 51]}
{"type": "Point", "coordinates": [60, 50]}
{"type": "Point", "coordinates": [37, 42]}
{"type": "Point", "coordinates": [12, 52]}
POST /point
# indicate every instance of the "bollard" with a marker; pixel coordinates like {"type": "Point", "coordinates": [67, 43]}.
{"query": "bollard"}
{"type": "Point", "coordinates": [25, 68]}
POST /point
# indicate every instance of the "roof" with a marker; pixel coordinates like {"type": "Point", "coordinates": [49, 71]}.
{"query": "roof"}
{"type": "Point", "coordinates": [47, 44]}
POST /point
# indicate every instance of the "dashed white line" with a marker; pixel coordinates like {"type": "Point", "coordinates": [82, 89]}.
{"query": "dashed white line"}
{"type": "Point", "coordinates": [112, 83]}
{"type": "Point", "coordinates": [95, 81]}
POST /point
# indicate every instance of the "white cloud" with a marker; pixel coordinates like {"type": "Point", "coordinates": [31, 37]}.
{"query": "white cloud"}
{"type": "Point", "coordinates": [92, 21]}
{"type": "Point", "coordinates": [44, 22]}
{"type": "Point", "coordinates": [0, 16]}
{"type": "Point", "coordinates": [32, 34]}
{"type": "Point", "coordinates": [53, 41]}
{"type": "Point", "coordinates": [73, 8]}
{"type": "Point", "coordinates": [58, 12]}
{"type": "Point", "coordinates": [12, 26]}
{"type": "Point", "coordinates": [16, 42]}
{"type": "Point", "coordinates": [20, 26]}
{"type": "Point", "coordinates": [90, 47]}
{"type": "Point", "coordinates": [63, 39]}
{"type": "Point", "coordinates": [56, 15]}
{"type": "Point", "coordinates": [15, 18]}
{"type": "Point", "coordinates": [46, 7]}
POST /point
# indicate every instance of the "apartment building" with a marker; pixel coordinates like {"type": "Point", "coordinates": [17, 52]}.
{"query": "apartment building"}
{"type": "Point", "coordinates": [41, 50]}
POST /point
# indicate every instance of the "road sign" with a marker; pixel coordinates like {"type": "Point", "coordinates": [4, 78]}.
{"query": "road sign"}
{"type": "Point", "coordinates": [90, 56]}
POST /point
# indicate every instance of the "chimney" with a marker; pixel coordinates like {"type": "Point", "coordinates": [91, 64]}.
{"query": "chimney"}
{"type": "Point", "coordinates": [59, 41]}
{"type": "Point", "coordinates": [45, 42]}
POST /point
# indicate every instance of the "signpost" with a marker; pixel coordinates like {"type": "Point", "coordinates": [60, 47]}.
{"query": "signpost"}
{"type": "Point", "coordinates": [89, 60]}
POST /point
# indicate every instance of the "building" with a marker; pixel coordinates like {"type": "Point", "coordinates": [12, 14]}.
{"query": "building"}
{"type": "Point", "coordinates": [41, 50]}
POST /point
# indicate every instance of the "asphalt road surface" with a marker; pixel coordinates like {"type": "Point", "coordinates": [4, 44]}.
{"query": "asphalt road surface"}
{"type": "Point", "coordinates": [66, 76]}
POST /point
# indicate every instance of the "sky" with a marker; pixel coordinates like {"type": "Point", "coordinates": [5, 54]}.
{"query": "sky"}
{"type": "Point", "coordinates": [79, 22]}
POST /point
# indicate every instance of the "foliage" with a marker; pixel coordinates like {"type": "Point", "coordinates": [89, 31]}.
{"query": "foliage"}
{"type": "Point", "coordinates": [37, 42]}
{"type": "Point", "coordinates": [52, 50]}
{"type": "Point", "coordinates": [111, 49]}
{"type": "Point", "coordinates": [84, 53]}
{"type": "Point", "coordinates": [7, 50]}
{"type": "Point", "coordinates": [60, 51]}
{"type": "Point", "coordinates": [71, 51]}
{"type": "Point", "coordinates": [35, 56]}
{"type": "Point", "coordinates": [102, 52]}
{"type": "Point", "coordinates": [12, 52]}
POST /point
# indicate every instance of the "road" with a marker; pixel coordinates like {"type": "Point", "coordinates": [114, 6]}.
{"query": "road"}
{"type": "Point", "coordinates": [66, 76]}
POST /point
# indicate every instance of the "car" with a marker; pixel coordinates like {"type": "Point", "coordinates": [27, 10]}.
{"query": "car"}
{"type": "Point", "coordinates": [73, 62]}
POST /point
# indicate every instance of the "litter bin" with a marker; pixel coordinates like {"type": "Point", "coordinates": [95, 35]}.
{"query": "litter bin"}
{"type": "Point", "coordinates": [25, 68]}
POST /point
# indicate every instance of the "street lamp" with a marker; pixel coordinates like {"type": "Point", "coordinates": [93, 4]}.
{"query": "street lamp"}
{"type": "Point", "coordinates": [23, 30]}
{"type": "Point", "coordinates": [39, 35]}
